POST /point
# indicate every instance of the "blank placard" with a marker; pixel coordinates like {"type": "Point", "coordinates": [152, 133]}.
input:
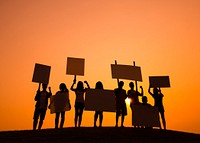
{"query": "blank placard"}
{"type": "Point", "coordinates": [143, 115]}
{"type": "Point", "coordinates": [75, 66]}
{"type": "Point", "coordinates": [41, 73]}
{"type": "Point", "coordinates": [126, 72]}
{"type": "Point", "coordinates": [59, 103]}
{"type": "Point", "coordinates": [100, 100]}
{"type": "Point", "coordinates": [159, 81]}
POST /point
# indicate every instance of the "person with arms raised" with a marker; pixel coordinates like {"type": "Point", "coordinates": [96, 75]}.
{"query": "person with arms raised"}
{"type": "Point", "coordinates": [158, 102]}
{"type": "Point", "coordinates": [79, 101]}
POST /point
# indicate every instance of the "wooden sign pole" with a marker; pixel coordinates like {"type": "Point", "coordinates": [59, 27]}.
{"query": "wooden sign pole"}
{"type": "Point", "coordinates": [117, 78]}
{"type": "Point", "coordinates": [135, 80]}
{"type": "Point", "coordinates": [74, 78]}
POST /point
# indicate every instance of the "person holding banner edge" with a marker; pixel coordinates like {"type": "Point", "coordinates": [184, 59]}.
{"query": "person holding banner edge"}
{"type": "Point", "coordinates": [79, 101]}
{"type": "Point", "coordinates": [158, 102]}
{"type": "Point", "coordinates": [61, 103]}
{"type": "Point", "coordinates": [99, 114]}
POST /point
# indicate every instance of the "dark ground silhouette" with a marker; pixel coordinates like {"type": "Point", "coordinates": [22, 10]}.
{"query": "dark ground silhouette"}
{"type": "Point", "coordinates": [98, 135]}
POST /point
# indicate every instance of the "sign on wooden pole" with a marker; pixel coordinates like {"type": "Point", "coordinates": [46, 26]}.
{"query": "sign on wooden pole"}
{"type": "Point", "coordinates": [126, 72]}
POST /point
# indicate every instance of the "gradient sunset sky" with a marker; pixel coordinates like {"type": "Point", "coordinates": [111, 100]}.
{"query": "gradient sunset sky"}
{"type": "Point", "coordinates": [161, 36]}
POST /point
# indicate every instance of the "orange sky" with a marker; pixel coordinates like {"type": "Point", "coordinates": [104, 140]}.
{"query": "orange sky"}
{"type": "Point", "coordinates": [162, 37]}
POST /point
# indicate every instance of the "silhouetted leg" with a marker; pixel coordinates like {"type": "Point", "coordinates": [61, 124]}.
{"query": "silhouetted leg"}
{"type": "Point", "coordinates": [57, 120]}
{"type": "Point", "coordinates": [42, 116]}
{"type": "Point", "coordinates": [35, 122]}
{"type": "Point", "coordinates": [80, 117]}
{"type": "Point", "coordinates": [40, 124]}
{"type": "Point", "coordinates": [62, 119]}
{"type": "Point", "coordinates": [163, 120]}
{"type": "Point", "coordinates": [122, 121]}
{"type": "Point", "coordinates": [35, 118]}
{"type": "Point", "coordinates": [76, 117]}
{"type": "Point", "coordinates": [117, 118]}
{"type": "Point", "coordinates": [95, 118]}
{"type": "Point", "coordinates": [100, 119]}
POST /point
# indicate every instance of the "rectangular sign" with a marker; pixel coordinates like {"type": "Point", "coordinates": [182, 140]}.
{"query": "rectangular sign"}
{"type": "Point", "coordinates": [126, 72]}
{"type": "Point", "coordinates": [41, 73]}
{"type": "Point", "coordinates": [159, 81]}
{"type": "Point", "coordinates": [100, 100]}
{"type": "Point", "coordinates": [75, 66]}
{"type": "Point", "coordinates": [143, 115]}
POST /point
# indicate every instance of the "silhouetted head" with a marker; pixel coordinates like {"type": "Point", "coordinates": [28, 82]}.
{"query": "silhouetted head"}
{"type": "Point", "coordinates": [44, 86]}
{"type": "Point", "coordinates": [99, 85]}
{"type": "Point", "coordinates": [80, 85]}
{"type": "Point", "coordinates": [62, 87]}
{"type": "Point", "coordinates": [144, 99]}
{"type": "Point", "coordinates": [121, 84]}
{"type": "Point", "coordinates": [131, 85]}
{"type": "Point", "coordinates": [155, 90]}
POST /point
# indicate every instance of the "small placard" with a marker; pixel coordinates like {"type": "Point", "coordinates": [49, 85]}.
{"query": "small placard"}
{"type": "Point", "coordinates": [75, 66]}
{"type": "Point", "coordinates": [41, 73]}
{"type": "Point", "coordinates": [100, 100]}
{"type": "Point", "coordinates": [159, 81]}
{"type": "Point", "coordinates": [59, 103]}
{"type": "Point", "coordinates": [126, 72]}
{"type": "Point", "coordinates": [143, 115]}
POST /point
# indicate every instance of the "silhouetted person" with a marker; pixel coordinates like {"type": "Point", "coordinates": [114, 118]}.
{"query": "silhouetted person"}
{"type": "Point", "coordinates": [41, 99]}
{"type": "Point", "coordinates": [121, 109]}
{"type": "Point", "coordinates": [145, 101]}
{"type": "Point", "coordinates": [99, 114]}
{"type": "Point", "coordinates": [158, 100]}
{"type": "Point", "coordinates": [133, 95]}
{"type": "Point", "coordinates": [61, 101]}
{"type": "Point", "coordinates": [80, 101]}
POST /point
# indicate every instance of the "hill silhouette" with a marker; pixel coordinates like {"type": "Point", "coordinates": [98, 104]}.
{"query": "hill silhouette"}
{"type": "Point", "coordinates": [98, 135]}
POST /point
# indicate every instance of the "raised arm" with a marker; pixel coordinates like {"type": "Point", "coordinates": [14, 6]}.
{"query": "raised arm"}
{"type": "Point", "coordinates": [50, 94]}
{"type": "Point", "coordinates": [159, 90]}
{"type": "Point", "coordinates": [142, 92]}
{"type": "Point", "coordinates": [88, 86]}
{"type": "Point", "coordinates": [39, 87]}
{"type": "Point", "coordinates": [38, 93]}
{"type": "Point", "coordinates": [149, 90]}
{"type": "Point", "coordinates": [74, 82]}
{"type": "Point", "coordinates": [72, 87]}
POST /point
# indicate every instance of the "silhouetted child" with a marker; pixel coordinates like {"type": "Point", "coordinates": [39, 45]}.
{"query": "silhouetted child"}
{"type": "Point", "coordinates": [61, 103]}
{"type": "Point", "coordinates": [121, 109]}
{"type": "Point", "coordinates": [158, 100]}
{"type": "Point", "coordinates": [41, 99]}
{"type": "Point", "coordinates": [99, 114]}
{"type": "Point", "coordinates": [145, 101]}
{"type": "Point", "coordinates": [80, 101]}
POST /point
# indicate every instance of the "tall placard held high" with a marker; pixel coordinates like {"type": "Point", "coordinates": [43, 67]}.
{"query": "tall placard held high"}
{"type": "Point", "coordinates": [75, 66]}
{"type": "Point", "coordinates": [41, 73]}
